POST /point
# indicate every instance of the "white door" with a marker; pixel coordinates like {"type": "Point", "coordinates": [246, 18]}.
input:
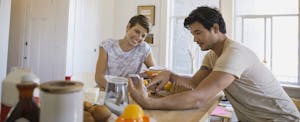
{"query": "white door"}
{"type": "Point", "coordinates": [39, 49]}
{"type": "Point", "coordinates": [86, 35]}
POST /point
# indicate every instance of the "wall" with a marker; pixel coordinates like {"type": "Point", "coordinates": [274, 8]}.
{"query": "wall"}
{"type": "Point", "coordinates": [124, 10]}
{"type": "Point", "coordinates": [4, 32]}
{"type": "Point", "coordinates": [226, 8]}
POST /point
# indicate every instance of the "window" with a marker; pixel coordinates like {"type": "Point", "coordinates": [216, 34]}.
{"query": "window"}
{"type": "Point", "coordinates": [185, 55]}
{"type": "Point", "coordinates": [271, 29]}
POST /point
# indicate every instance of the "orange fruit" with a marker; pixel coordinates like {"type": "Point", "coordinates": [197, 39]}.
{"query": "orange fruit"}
{"type": "Point", "coordinates": [145, 82]}
{"type": "Point", "coordinates": [133, 111]}
{"type": "Point", "coordinates": [168, 86]}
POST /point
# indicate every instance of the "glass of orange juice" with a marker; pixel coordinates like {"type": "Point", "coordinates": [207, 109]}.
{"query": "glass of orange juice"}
{"type": "Point", "coordinates": [154, 71]}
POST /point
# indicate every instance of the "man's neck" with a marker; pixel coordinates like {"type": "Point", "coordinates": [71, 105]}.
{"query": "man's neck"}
{"type": "Point", "coordinates": [218, 49]}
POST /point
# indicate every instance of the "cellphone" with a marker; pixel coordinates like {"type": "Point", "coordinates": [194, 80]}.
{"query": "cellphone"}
{"type": "Point", "coordinates": [135, 78]}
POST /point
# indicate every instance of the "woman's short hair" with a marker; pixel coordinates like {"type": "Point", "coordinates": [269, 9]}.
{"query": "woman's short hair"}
{"type": "Point", "coordinates": [141, 20]}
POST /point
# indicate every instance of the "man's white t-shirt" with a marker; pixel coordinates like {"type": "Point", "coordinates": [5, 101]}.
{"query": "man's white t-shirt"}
{"type": "Point", "coordinates": [255, 94]}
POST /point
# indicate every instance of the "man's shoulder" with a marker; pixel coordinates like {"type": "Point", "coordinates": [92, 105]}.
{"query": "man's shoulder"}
{"type": "Point", "coordinates": [235, 46]}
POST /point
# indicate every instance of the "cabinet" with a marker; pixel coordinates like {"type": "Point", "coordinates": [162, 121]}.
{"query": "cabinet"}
{"type": "Point", "coordinates": [38, 35]}
{"type": "Point", "coordinates": [54, 37]}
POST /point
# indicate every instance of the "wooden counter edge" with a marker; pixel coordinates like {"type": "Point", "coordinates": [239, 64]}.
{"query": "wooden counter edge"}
{"type": "Point", "coordinates": [210, 106]}
{"type": "Point", "coordinates": [216, 101]}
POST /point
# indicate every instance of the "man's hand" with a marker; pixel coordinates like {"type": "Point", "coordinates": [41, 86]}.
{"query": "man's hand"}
{"type": "Point", "coordinates": [138, 92]}
{"type": "Point", "coordinates": [162, 79]}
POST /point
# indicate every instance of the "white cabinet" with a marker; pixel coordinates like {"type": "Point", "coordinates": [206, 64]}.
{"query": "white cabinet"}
{"type": "Point", "coordinates": [38, 37]}
{"type": "Point", "coordinates": [54, 37]}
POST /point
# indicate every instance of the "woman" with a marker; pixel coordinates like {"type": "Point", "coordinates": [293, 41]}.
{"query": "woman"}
{"type": "Point", "coordinates": [120, 57]}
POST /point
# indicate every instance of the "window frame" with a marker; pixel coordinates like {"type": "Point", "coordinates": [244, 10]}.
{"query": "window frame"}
{"type": "Point", "coordinates": [195, 63]}
{"type": "Point", "coordinates": [265, 17]}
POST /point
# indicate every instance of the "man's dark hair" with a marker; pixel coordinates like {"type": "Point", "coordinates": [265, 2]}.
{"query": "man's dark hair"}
{"type": "Point", "coordinates": [141, 20]}
{"type": "Point", "coordinates": [207, 17]}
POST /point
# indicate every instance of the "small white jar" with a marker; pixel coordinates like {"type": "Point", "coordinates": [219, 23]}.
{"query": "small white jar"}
{"type": "Point", "coordinates": [61, 101]}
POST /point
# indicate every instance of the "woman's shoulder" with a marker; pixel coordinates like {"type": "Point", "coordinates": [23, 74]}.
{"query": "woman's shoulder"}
{"type": "Point", "coordinates": [143, 48]}
{"type": "Point", "coordinates": [144, 45]}
{"type": "Point", "coordinates": [108, 42]}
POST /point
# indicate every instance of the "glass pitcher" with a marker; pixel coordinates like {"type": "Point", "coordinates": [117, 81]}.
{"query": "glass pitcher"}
{"type": "Point", "coordinates": [116, 94]}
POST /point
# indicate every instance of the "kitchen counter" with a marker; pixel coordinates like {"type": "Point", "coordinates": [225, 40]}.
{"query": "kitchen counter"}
{"type": "Point", "coordinates": [191, 115]}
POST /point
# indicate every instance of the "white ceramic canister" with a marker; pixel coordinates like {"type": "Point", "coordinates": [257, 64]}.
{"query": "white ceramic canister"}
{"type": "Point", "coordinates": [61, 101]}
{"type": "Point", "coordinates": [10, 93]}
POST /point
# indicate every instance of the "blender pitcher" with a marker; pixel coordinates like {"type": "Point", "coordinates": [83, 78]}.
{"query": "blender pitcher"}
{"type": "Point", "coordinates": [116, 98]}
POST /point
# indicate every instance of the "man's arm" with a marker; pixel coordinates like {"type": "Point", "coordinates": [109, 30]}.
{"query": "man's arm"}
{"type": "Point", "coordinates": [192, 82]}
{"type": "Point", "coordinates": [163, 77]}
{"type": "Point", "coordinates": [207, 89]}
{"type": "Point", "coordinates": [183, 80]}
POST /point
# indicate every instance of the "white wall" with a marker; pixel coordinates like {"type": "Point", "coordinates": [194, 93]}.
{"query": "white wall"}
{"type": "Point", "coordinates": [4, 32]}
{"type": "Point", "coordinates": [125, 9]}
{"type": "Point", "coordinates": [226, 9]}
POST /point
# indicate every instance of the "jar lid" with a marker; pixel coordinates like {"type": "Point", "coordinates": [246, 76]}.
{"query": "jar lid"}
{"type": "Point", "coordinates": [61, 86]}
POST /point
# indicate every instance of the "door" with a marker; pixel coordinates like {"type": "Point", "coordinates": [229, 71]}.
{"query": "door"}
{"type": "Point", "coordinates": [86, 36]}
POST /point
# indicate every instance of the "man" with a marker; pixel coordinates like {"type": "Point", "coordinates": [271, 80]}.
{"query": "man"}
{"type": "Point", "coordinates": [253, 91]}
